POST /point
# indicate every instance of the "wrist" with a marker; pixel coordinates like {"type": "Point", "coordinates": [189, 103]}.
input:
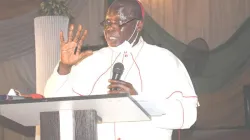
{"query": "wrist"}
{"type": "Point", "coordinates": [64, 69]}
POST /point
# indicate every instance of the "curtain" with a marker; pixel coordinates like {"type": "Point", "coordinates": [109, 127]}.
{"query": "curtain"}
{"type": "Point", "coordinates": [17, 53]}
{"type": "Point", "coordinates": [15, 8]}
{"type": "Point", "coordinates": [213, 20]}
{"type": "Point", "coordinates": [110, 1]}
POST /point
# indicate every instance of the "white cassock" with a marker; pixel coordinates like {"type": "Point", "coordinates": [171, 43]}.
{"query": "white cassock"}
{"type": "Point", "coordinates": [153, 71]}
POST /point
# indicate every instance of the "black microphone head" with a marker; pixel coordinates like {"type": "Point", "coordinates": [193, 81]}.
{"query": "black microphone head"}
{"type": "Point", "coordinates": [117, 71]}
{"type": "Point", "coordinates": [118, 68]}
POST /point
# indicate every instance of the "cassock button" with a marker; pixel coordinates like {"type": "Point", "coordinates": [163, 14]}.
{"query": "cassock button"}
{"type": "Point", "coordinates": [126, 54]}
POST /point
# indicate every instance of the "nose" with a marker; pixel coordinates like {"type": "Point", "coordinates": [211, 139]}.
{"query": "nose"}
{"type": "Point", "coordinates": [110, 28]}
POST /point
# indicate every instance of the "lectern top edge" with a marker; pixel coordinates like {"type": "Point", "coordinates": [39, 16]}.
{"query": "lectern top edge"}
{"type": "Point", "coordinates": [71, 98]}
{"type": "Point", "coordinates": [76, 98]}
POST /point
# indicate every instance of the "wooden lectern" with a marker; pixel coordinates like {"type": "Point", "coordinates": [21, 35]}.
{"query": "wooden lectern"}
{"type": "Point", "coordinates": [79, 115]}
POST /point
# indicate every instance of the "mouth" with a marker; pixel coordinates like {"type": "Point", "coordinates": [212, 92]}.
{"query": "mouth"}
{"type": "Point", "coordinates": [112, 35]}
{"type": "Point", "coordinates": [112, 38]}
{"type": "Point", "coordinates": [112, 41]}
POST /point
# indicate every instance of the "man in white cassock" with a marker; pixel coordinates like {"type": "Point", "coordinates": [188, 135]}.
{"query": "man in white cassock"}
{"type": "Point", "coordinates": [149, 71]}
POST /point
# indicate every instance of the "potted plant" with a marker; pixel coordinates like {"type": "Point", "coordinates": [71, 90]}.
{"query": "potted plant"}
{"type": "Point", "coordinates": [53, 17]}
{"type": "Point", "coordinates": [54, 8]}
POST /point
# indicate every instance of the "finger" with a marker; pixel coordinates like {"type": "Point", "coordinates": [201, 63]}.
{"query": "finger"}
{"type": "Point", "coordinates": [61, 38]}
{"type": "Point", "coordinates": [71, 28]}
{"type": "Point", "coordinates": [77, 37]}
{"type": "Point", "coordinates": [117, 92]}
{"type": "Point", "coordinates": [119, 82]}
{"type": "Point", "coordinates": [79, 50]}
{"type": "Point", "coordinates": [82, 38]}
{"type": "Point", "coordinates": [119, 86]}
{"type": "Point", "coordinates": [116, 89]}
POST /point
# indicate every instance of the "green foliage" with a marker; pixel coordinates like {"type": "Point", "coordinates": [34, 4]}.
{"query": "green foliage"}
{"type": "Point", "coordinates": [54, 8]}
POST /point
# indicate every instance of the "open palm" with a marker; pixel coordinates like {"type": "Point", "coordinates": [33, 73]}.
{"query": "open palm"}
{"type": "Point", "coordinates": [71, 49]}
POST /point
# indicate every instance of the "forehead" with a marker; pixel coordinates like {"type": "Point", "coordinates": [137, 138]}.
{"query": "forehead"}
{"type": "Point", "coordinates": [119, 12]}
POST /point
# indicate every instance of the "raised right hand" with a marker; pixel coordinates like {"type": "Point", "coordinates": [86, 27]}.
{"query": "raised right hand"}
{"type": "Point", "coordinates": [70, 50]}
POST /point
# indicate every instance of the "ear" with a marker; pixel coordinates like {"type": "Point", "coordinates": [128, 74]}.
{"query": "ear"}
{"type": "Point", "coordinates": [140, 26]}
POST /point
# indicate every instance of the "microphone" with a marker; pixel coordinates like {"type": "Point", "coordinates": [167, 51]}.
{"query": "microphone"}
{"type": "Point", "coordinates": [117, 72]}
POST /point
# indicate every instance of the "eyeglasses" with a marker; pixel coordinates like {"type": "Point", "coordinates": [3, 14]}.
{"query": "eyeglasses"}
{"type": "Point", "coordinates": [108, 23]}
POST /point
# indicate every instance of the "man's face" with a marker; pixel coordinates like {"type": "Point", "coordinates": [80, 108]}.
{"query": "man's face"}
{"type": "Point", "coordinates": [119, 26]}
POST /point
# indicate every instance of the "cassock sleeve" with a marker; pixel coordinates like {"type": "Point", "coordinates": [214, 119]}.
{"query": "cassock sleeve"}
{"type": "Point", "coordinates": [171, 83]}
{"type": "Point", "coordinates": [77, 83]}
{"type": "Point", "coordinates": [57, 85]}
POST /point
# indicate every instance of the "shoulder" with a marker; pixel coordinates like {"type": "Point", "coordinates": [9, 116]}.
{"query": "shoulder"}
{"type": "Point", "coordinates": [160, 55]}
{"type": "Point", "coordinates": [163, 60]}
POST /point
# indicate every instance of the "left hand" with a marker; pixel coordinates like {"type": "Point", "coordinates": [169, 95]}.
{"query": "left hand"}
{"type": "Point", "coordinates": [124, 87]}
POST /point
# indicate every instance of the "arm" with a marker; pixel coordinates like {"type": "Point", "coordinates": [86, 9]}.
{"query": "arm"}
{"type": "Point", "coordinates": [57, 85]}
{"type": "Point", "coordinates": [180, 114]}
{"type": "Point", "coordinates": [180, 105]}
{"type": "Point", "coordinates": [76, 81]}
